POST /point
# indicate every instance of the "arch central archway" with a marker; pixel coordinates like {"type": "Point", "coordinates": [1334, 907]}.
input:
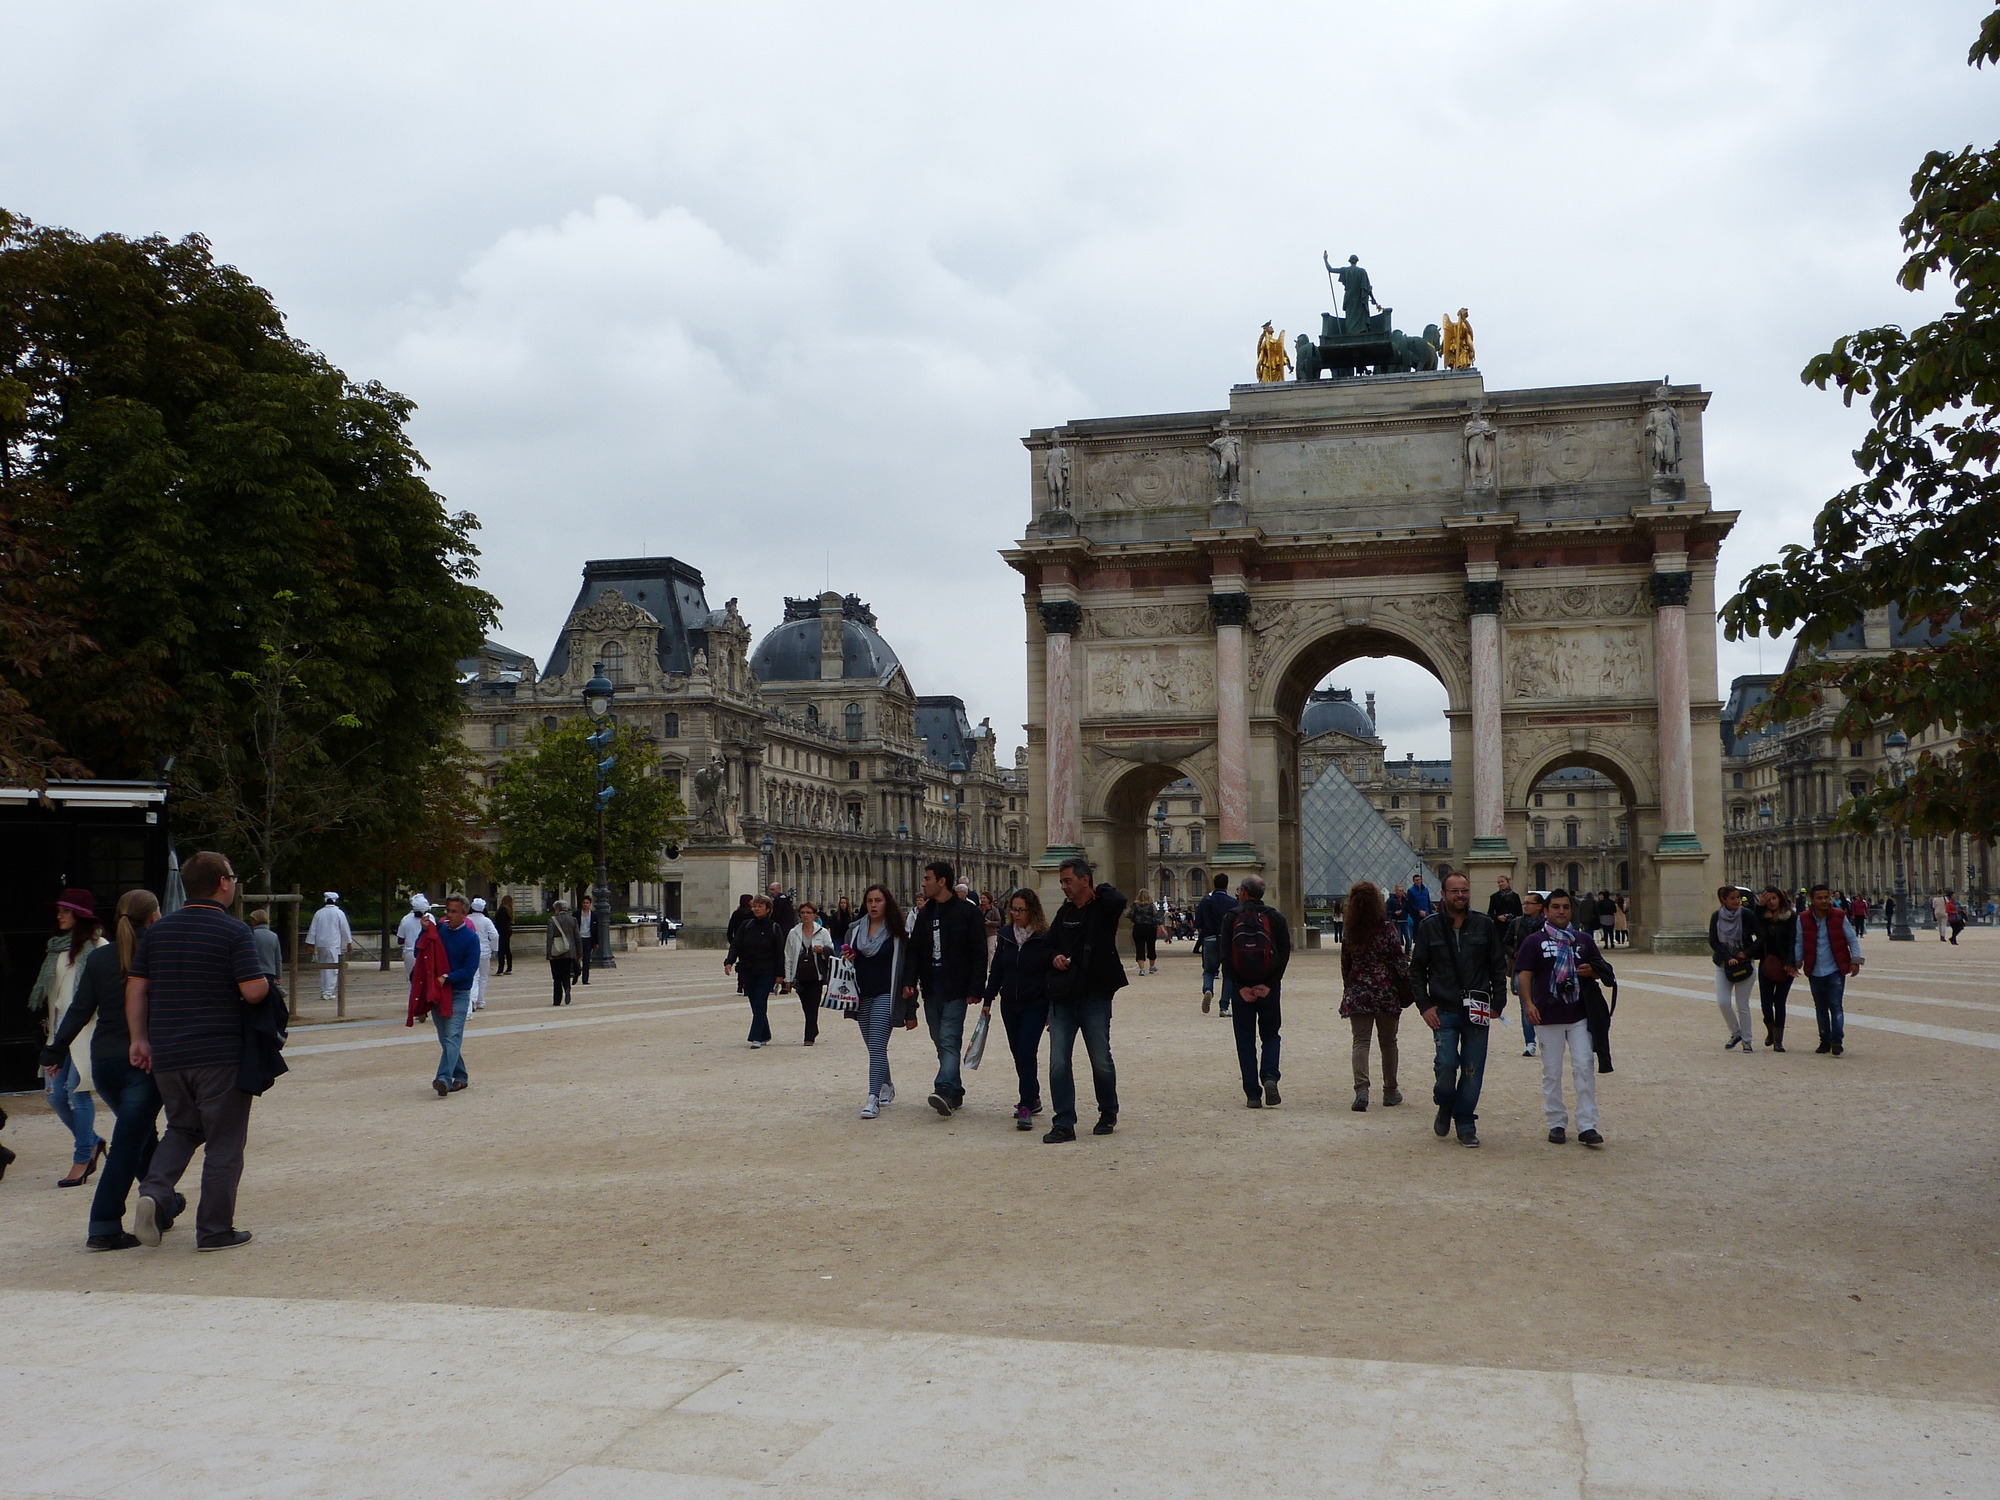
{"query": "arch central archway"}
{"type": "Point", "coordinates": [1125, 824]}
{"type": "Point", "coordinates": [1414, 788]}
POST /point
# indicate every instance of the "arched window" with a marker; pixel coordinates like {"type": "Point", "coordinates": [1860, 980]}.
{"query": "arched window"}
{"type": "Point", "coordinates": [854, 770]}
{"type": "Point", "coordinates": [1443, 832]}
{"type": "Point", "coordinates": [1395, 801]}
{"type": "Point", "coordinates": [614, 661]}
{"type": "Point", "coordinates": [1441, 804]}
{"type": "Point", "coordinates": [549, 723]}
{"type": "Point", "coordinates": [853, 716]}
{"type": "Point", "coordinates": [1196, 880]}
{"type": "Point", "coordinates": [1166, 889]}
{"type": "Point", "coordinates": [670, 727]}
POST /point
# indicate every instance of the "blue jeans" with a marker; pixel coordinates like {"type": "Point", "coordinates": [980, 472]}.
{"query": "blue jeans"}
{"type": "Point", "coordinates": [1254, 1019]}
{"type": "Point", "coordinates": [1091, 1016]}
{"type": "Point", "coordinates": [451, 1038]}
{"type": "Point", "coordinates": [1829, 992]}
{"type": "Point", "coordinates": [75, 1108]}
{"type": "Point", "coordinates": [946, 1019]}
{"type": "Point", "coordinates": [1461, 1067]}
{"type": "Point", "coordinates": [1025, 1024]}
{"type": "Point", "coordinates": [758, 988]}
{"type": "Point", "coordinates": [135, 1099]}
{"type": "Point", "coordinates": [1527, 1029]}
{"type": "Point", "coordinates": [1211, 963]}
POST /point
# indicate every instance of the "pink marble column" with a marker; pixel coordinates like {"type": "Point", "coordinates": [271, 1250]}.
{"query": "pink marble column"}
{"type": "Point", "coordinates": [1670, 651]}
{"type": "Point", "coordinates": [1060, 618]}
{"type": "Point", "coordinates": [1489, 803]}
{"type": "Point", "coordinates": [1232, 721]}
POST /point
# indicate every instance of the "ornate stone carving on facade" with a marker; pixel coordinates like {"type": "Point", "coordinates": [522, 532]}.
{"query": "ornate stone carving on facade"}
{"type": "Point", "coordinates": [1433, 623]}
{"type": "Point", "coordinates": [1584, 601]}
{"type": "Point", "coordinates": [1669, 589]}
{"type": "Point", "coordinates": [1663, 434]}
{"type": "Point", "coordinates": [1482, 468]}
{"type": "Point", "coordinates": [711, 819]}
{"type": "Point", "coordinates": [1151, 680]}
{"type": "Point", "coordinates": [1060, 616]}
{"type": "Point", "coordinates": [1227, 463]}
{"type": "Point", "coordinates": [1146, 479]}
{"type": "Point", "coordinates": [1230, 609]}
{"type": "Point", "coordinates": [1482, 596]}
{"type": "Point", "coordinates": [1143, 622]}
{"type": "Point", "coordinates": [611, 610]}
{"type": "Point", "coordinates": [1561, 664]}
{"type": "Point", "coordinates": [1056, 472]}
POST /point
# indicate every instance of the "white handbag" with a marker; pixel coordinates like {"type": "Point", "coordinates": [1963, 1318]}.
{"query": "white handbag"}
{"type": "Point", "coordinates": [842, 991]}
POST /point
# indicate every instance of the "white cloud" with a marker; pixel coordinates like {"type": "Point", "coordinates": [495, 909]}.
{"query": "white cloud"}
{"type": "Point", "coordinates": [759, 283]}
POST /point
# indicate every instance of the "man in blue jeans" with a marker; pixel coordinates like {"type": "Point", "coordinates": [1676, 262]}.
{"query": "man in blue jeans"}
{"type": "Point", "coordinates": [948, 963]}
{"type": "Point", "coordinates": [1085, 974]}
{"type": "Point", "coordinates": [1416, 906]}
{"type": "Point", "coordinates": [1458, 967]}
{"type": "Point", "coordinates": [1266, 941]}
{"type": "Point", "coordinates": [1208, 917]}
{"type": "Point", "coordinates": [1827, 952]}
{"type": "Point", "coordinates": [462, 954]}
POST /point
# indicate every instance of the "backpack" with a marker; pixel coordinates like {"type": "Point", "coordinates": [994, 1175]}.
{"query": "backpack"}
{"type": "Point", "coordinates": [1253, 949]}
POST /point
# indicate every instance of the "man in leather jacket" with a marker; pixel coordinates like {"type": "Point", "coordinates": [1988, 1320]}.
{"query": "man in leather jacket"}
{"type": "Point", "coordinates": [1458, 964]}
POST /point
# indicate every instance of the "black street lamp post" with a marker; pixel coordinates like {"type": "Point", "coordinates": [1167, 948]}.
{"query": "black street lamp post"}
{"type": "Point", "coordinates": [1899, 926]}
{"type": "Point", "coordinates": [598, 695]}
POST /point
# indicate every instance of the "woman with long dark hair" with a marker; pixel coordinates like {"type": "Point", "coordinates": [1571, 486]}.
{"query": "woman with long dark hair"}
{"type": "Point", "coordinates": [1375, 973]}
{"type": "Point", "coordinates": [95, 1025]}
{"type": "Point", "coordinates": [68, 1081]}
{"type": "Point", "coordinates": [876, 945]}
{"type": "Point", "coordinates": [1779, 926]}
{"type": "Point", "coordinates": [1020, 977]}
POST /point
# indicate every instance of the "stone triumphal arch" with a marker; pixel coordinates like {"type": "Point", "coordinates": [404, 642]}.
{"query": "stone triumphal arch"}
{"type": "Point", "coordinates": [1548, 555]}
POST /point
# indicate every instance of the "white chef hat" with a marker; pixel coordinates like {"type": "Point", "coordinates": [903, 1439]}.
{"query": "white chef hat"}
{"type": "Point", "coordinates": [479, 903]}
{"type": "Point", "coordinates": [420, 902]}
{"type": "Point", "coordinates": [332, 896]}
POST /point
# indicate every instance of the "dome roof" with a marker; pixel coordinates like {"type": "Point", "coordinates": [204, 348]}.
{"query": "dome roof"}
{"type": "Point", "coordinates": [1334, 708]}
{"type": "Point", "coordinates": [790, 653]}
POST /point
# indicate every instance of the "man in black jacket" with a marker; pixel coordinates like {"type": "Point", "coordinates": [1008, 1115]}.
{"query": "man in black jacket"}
{"type": "Point", "coordinates": [1086, 973]}
{"type": "Point", "coordinates": [948, 962]}
{"type": "Point", "coordinates": [1458, 966]}
{"type": "Point", "coordinates": [1257, 933]}
{"type": "Point", "coordinates": [1208, 916]}
{"type": "Point", "coordinates": [1526, 922]}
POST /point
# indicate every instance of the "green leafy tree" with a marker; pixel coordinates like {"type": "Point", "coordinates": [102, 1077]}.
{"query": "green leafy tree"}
{"type": "Point", "coordinates": [181, 465]}
{"type": "Point", "coordinates": [1921, 531]}
{"type": "Point", "coordinates": [545, 805]}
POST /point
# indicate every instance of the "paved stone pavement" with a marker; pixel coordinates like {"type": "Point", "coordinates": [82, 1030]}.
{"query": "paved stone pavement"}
{"type": "Point", "coordinates": [213, 1398]}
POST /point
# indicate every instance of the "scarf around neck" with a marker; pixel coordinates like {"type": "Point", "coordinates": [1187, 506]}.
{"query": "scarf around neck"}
{"type": "Point", "coordinates": [1563, 971]}
{"type": "Point", "coordinates": [859, 940]}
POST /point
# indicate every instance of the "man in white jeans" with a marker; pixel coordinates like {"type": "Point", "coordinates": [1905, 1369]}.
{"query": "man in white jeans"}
{"type": "Point", "coordinates": [1549, 970]}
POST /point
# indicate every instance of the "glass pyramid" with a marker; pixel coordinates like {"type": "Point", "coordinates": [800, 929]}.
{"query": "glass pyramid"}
{"type": "Point", "coordinates": [1343, 839]}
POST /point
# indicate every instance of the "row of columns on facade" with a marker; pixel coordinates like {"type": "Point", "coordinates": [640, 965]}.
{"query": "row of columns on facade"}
{"type": "Point", "coordinates": [1230, 606]}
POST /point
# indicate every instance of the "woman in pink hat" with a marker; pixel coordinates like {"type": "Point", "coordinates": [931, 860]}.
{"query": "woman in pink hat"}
{"type": "Point", "coordinates": [68, 1084]}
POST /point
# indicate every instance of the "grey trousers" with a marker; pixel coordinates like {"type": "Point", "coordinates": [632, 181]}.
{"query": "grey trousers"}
{"type": "Point", "coordinates": [204, 1108]}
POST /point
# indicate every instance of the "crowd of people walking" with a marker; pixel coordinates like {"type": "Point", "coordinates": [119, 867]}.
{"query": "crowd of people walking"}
{"type": "Point", "coordinates": [184, 1014]}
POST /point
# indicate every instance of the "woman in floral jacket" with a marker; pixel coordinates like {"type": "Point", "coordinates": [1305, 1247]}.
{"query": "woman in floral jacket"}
{"type": "Point", "coordinates": [1376, 975]}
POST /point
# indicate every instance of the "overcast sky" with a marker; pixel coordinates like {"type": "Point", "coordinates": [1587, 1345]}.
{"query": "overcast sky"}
{"type": "Point", "coordinates": [779, 288]}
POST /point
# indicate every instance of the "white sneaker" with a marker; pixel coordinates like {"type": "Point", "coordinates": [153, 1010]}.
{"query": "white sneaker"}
{"type": "Point", "coordinates": [755, 1045]}
{"type": "Point", "coordinates": [870, 1108]}
{"type": "Point", "coordinates": [888, 1093]}
{"type": "Point", "coordinates": [1531, 1050]}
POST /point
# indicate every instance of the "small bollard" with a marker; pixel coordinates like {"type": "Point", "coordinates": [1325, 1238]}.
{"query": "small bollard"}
{"type": "Point", "coordinates": [340, 991]}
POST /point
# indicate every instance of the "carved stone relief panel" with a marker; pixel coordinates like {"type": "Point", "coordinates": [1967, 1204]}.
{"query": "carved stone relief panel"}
{"type": "Point", "coordinates": [1588, 601]}
{"type": "Point", "coordinates": [1146, 479]}
{"type": "Point", "coordinates": [1566, 664]}
{"type": "Point", "coordinates": [1570, 453]}
{"type": "Point", "coordinates": [1151, 680]}
{"type": "Point", "coordinates": [1386, 465]}
{"type": "Point", "coordinates": [1434, 623]}
{"type": "Point", "coordinates": [1145, 621]}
